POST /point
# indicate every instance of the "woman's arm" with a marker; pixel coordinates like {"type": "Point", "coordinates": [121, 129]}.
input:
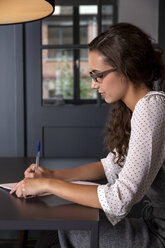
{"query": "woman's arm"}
{"type": "Point", "coordinates": [92, 171]}
{"type": "Point", "coordinates": [56, 182]}
{"type": "Point", "coordinates": [82, 194]}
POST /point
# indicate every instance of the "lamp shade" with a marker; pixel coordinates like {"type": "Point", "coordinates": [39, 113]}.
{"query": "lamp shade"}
{"type": "Point", "coordinates": [18, 11]}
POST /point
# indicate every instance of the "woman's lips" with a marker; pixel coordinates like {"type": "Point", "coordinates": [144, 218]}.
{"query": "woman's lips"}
{"type": "Point", "coordinates": [102, 93]}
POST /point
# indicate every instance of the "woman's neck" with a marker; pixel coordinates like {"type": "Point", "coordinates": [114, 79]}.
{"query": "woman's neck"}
{"type": "Point", "coordinates": [134, 94]}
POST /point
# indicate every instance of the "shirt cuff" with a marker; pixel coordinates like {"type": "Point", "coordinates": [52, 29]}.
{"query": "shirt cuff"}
{"type": "Point", "coordinates": [102, 199]}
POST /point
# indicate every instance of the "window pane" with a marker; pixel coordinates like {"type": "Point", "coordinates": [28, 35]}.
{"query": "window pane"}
{"type": "Point", "coordinates": [88, 23]}
{"type": "Point", "coordinates": [107, 16]}
{"type": "Point", "coordinates": [85, 81]}
{"type": "Point", "coordinates": [57, 74]}
{"type": "Point", "coordinates": [58, 28]}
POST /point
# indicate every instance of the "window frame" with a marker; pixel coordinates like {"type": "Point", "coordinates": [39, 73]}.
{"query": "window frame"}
{"type": "Point", "coordinates": [76, 46]}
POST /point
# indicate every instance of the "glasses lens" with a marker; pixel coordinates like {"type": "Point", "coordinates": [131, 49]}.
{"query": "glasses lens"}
{"type": "Point", "coordinates": [93, 76]}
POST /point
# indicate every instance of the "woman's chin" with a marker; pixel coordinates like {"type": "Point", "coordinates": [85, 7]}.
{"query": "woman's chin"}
{"type": "Point", "coordinates": [109, 100]}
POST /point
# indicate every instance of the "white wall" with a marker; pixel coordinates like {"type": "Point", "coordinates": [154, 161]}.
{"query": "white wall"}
{"type": "Point", "coordinates": [142, 13]}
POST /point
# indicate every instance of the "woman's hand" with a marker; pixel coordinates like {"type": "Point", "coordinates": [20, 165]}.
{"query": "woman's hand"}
{"type": "Point", "coordinates": [30, 187]}
{"type": "Point", "coordinates": [81, 194]}
{"type": "Point", "coordinates": [41, 172]}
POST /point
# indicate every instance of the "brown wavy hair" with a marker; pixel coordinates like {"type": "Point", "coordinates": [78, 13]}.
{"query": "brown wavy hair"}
{"type": "Point", "coordinates": [130, 50]}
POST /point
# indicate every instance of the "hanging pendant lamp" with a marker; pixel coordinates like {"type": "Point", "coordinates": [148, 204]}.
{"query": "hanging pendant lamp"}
{"type": "Point", "coordinates": [18, 11]}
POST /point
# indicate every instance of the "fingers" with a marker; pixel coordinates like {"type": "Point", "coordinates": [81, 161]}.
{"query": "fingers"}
{"type": "Point", "coordinates": [31, 168]}
{"type": "Point", "coordinates": [20, 189]}
{"type": "Point", "coordinates": [30, 171]}
{"type": "Point", "coordinates": [16, 189]}
{"type": "Point", "coordinates": [13, 189]}
{"type": "Point", "coordinates": [29, 175]}
{"type": "Point", "coordinates": [28, 187]}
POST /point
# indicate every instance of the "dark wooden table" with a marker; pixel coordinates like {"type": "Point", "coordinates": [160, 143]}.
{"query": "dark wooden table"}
{"type": "Point", "coordinates": [43, 213]}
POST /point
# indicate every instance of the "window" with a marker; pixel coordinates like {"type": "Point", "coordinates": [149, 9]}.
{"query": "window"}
{"type": "Point", "coordinates": [65, 38]}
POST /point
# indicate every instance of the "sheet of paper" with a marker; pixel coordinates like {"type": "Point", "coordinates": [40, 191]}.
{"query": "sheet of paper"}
{"type": "Point", "coordinates": [8, 186]}
{"type": "Point", "coordinates": [84, 182]}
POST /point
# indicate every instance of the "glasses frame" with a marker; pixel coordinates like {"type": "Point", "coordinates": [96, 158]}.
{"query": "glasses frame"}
{"type": "Point", "coordinates": [95, 76]}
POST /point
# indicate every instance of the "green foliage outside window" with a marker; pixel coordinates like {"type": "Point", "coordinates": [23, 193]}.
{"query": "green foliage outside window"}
{"type": "Point", "coordinates": [64, 82]}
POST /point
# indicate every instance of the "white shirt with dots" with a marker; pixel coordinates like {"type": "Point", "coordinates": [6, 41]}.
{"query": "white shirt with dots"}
{"type": "Point", "coordinates": [128, 184]}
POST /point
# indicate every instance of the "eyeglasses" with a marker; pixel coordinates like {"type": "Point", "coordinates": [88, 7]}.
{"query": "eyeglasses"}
{"type": "Point", "coordinates": [95, 76]}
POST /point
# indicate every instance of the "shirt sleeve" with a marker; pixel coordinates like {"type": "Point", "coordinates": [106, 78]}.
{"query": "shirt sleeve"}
{"type": "Point", "coordinates": [111, 169]}
{"type": "Point", "coordinates": [146, 153]}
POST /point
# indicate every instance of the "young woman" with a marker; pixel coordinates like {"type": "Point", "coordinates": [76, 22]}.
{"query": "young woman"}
{"type": "Point", "coordinates": [124, 68]}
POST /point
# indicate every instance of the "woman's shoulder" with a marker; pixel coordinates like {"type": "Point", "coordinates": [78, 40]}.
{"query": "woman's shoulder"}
{"type": "Point", "coordinates": [155, 95]}
{"type": "Point", "coordinates": [151, 107]}
{"type": "Point", "coordinates": [152, 100]}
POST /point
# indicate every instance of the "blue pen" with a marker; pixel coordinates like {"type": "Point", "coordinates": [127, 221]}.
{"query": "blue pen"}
{"type": "Point", "coordinates": [37, 156]}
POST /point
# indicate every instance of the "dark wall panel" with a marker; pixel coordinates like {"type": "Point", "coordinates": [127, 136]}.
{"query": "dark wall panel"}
{"type": "Point", "coordinates": [73, 142]}
{"type": "Point", "coordinates": [11, 91]}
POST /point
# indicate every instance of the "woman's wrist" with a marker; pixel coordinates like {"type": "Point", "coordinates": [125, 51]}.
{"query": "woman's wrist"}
{"type": "Point", "coordinates": [48, 184]}
{"type": "Point", "coordinates": [57, 174]}
{"type": "Point", "coordinates": [53, 185]}
{"type": "Point", "coordinates": [54, 174]}
{"type": "Point", "coordinates": [49, 173]}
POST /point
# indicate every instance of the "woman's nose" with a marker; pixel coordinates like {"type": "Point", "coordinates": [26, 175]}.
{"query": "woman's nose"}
{"type": "Point", "coordinates": [94, 85]}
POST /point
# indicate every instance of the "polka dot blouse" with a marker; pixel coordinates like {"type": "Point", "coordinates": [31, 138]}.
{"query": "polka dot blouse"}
{"type": "Point", "coordinates": [146, 154]}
